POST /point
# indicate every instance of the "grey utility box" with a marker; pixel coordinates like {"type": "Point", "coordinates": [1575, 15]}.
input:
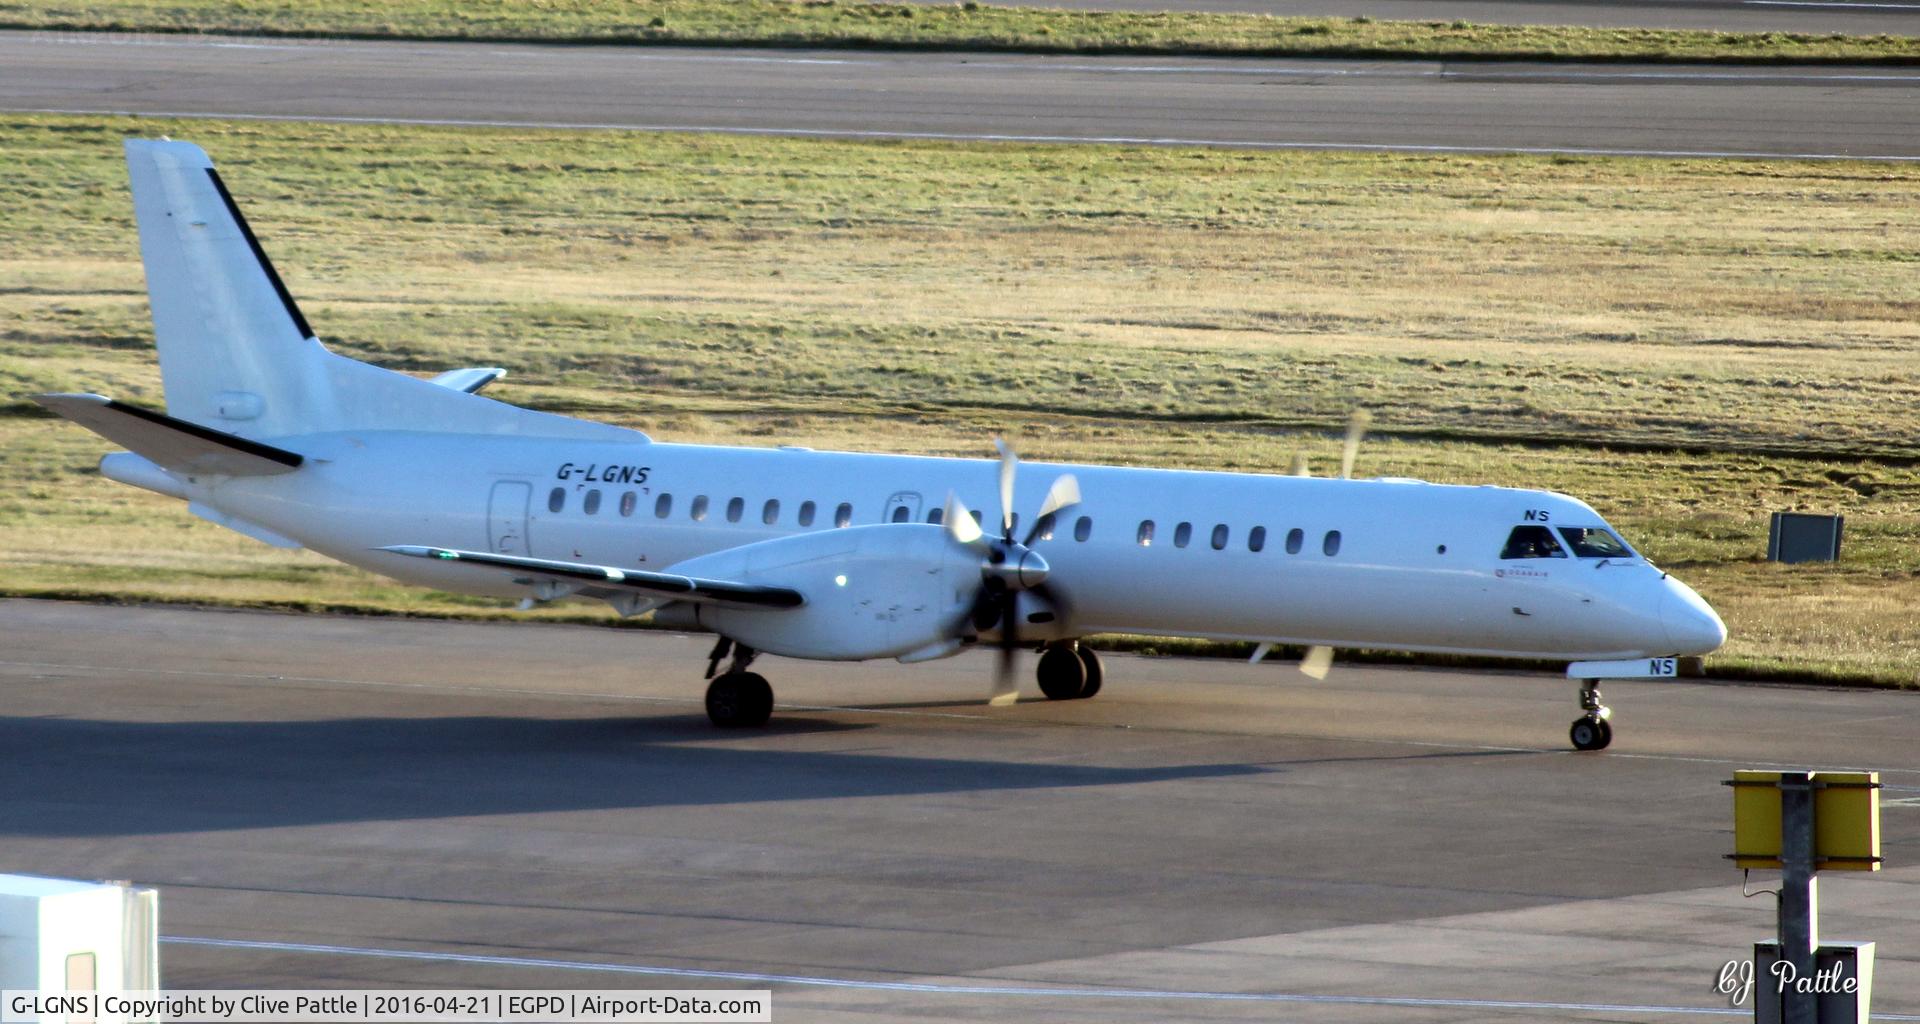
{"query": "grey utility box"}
{"type": "Point", "coordinates": [1800, 537]}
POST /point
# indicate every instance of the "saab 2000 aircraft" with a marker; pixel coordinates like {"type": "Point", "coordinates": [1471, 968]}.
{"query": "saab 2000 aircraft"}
{"type": "Point", "coordinates": [831, 555]}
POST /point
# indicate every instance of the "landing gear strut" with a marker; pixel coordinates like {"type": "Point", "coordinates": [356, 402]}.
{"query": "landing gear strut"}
{"type": "Point", "coordinates": [737, 698]}
{"type": "Point", "coordinates": [1591, 731]}
{"type": "Point", "coordinates": [1069, 670]}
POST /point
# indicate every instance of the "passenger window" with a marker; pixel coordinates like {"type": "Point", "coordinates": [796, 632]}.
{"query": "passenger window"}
{"type": "Point", "coordinates": [1331, 545]}
{"type": "Point", "coordinates": [627, 502]}
{"type": "Point", "coordinates": [1145, 536]}
{"type": "Point", "coordinates": [1593, 542]}
{"type": "Point", "coordinates": [770, 512]}
{"type": "Point", "coordinates": [556, 499]}
{"type": "Point", "coordinates": [663, 506]}
{"type": "Point", "coordinates": [735, 508]}
{"type": "Point", "coordinates": [806, 514]}
{"type": "Point", "coordinates": [1220, 534]}
{"type": "Point", "coordinates": [1045, 532]}
{"type": "Point", "coordinates": [1257, 539]}
{"type": "Point", "coordinates": [843, 516]}
{"type": "Point", "coordinates": [1083, 528]}
{"type": "Point", "coordinates": [1182, 534]}
{"type": "Point", "coordinates": [699, 508]}
{"type": "Point", "coordinates": [902, 513]}
{"type": "Point", "coordinates": [1295, 538]}
{"type": "Point", "coordinates": [936, 516]}
{"type": "Point", "coordinates": [1532, 542]}
{"type": "Point", "coordinates": [592, 504]}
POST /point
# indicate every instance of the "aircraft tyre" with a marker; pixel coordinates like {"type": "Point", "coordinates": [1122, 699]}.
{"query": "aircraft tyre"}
{"type": "Point", "coordinates": [1094, 673]}
{"type": "Point", "coordinates": [1590, 733]}
{"type": "Point", "coordinates": [1062, 675]}
{"type": "Point", "coordinates": [739, 700]}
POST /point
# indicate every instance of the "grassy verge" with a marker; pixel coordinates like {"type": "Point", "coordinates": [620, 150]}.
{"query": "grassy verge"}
{"type": "Point", "coordinates": [1697, 343]}
{"type": "Point", "coordinates": [959, 26]}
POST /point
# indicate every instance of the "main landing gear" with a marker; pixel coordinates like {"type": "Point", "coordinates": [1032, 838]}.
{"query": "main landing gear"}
{"type": "Point", "coordinates": [737, 698]}
{"type": "Point", "coordinates": [1069, 671]}
{"type": "Point", "coordinates": [1591, 731]}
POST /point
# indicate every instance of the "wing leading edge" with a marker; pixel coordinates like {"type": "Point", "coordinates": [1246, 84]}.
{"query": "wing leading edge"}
{"type": "Point", "coordinates": [663, 586]}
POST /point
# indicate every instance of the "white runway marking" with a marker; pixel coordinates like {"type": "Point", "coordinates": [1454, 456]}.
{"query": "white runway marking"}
{"type": "Point", "coordinates": [1107, 140]}
{"type": "Point", "coordinates": [1012, 990]}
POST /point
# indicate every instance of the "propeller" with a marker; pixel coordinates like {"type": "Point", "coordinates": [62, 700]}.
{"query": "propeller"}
{"type": "Point", "coordinates": [1009, 567]}
{"type": "Point", "coordinates": [1356, 429]}
{"type": "Point", "coordinates": [1319, 660]}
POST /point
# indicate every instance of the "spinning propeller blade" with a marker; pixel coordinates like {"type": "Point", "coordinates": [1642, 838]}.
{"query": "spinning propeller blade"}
{"type": "Point", "coordinates": [1317, 663]}
{"type": "Point", "coordinates": [1356, 429]}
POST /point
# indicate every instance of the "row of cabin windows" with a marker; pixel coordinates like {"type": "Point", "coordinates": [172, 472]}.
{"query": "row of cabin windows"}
{"type": "Point", "coordinates": [770, 512]}
{"type": "Point", "coordinates": [1223, 535]}
{"type": "Point", "coordinates": [698, 508]}
{"type": "Point", "coordinates": [1082, 527]}
{"type": "Point", "coordinates": [843, 516]}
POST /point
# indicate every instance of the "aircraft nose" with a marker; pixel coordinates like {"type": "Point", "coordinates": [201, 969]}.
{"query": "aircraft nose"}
{"type": "Point", "coordinates": [1692, 626]}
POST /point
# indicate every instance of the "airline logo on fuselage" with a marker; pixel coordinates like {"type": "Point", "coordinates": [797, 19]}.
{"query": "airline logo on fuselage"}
{"type": "Point", "coordinates": [594, 473]}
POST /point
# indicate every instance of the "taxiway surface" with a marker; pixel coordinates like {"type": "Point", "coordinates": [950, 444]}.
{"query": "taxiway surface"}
{"type": "Point", "coordinates": [1396, 105]}
{"type": "Point", "coordinates": [374, 802]}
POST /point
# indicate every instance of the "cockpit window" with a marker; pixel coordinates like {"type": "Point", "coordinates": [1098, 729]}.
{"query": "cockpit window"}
{"type": "Point", "coordinates": [1532, 542]}
{"type": "Point", "coordinates": [1593, 542]}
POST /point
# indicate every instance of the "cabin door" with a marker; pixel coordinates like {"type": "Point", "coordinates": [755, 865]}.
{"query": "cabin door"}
{"type": "Point", "coordinates": [507, 517]}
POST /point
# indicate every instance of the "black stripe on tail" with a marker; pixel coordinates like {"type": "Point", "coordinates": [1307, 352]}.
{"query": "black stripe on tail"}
{"type": "Point", "coordinates": [259, 254]}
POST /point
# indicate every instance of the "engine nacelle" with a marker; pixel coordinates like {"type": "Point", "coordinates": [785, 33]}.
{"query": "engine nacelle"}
{"type": "Point", "coordinates": [871, 591]}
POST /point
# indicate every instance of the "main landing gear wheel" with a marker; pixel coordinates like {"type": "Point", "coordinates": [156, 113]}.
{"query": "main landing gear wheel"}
{"type": "Point", "coordinates": [739, 700]}
{"type": "Point", "coordinates": [1094, 672]}
{"type": "Point", "coordinates": [1063, 675]}
{"type": "Point", "coordinates": [1591, 731]}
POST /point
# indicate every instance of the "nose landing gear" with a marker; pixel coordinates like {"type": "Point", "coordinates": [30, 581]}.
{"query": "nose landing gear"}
{"type": "Point", "coordinates": [1591, 731]}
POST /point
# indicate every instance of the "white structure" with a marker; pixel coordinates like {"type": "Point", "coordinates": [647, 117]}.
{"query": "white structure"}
{"type": "Point", "coordinates": [60, 935]}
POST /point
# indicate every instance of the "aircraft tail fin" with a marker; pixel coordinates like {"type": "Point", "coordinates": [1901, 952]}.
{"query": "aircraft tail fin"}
{"type": "Point", "coordinates": [236, 353]}
{"type": "Point", "coordinates": [235, 350]}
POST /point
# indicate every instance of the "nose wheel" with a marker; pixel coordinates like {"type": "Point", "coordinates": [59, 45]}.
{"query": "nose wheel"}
{"type": "Point", "coordinates": [1591, 731]}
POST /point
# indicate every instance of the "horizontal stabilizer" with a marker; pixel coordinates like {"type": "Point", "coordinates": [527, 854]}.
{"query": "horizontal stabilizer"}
{"type": "Point", "coordinates": [471, 379]}
{"type": "Point", "coordinates": [662, 585]}
{"type": "Point", "coordinates": [171, 443]}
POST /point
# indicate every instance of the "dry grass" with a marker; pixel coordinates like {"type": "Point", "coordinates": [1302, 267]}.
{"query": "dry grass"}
{"type": "Point", "coordinates": [1686, 345]}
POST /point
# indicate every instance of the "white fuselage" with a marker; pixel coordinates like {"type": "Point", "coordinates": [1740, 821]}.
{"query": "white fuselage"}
{"type": "Point", "coordinates": [1414, 566]}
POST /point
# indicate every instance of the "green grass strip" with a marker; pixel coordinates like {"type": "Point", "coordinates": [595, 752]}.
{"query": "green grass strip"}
{"type": "Point", "coordinates": [961, 26]}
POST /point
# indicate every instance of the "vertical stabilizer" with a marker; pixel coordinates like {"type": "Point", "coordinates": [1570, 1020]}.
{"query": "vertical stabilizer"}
{"type": "Point", "coordinates": [235, 351]}
{"type": "Point", "coordinates": [237, 355]}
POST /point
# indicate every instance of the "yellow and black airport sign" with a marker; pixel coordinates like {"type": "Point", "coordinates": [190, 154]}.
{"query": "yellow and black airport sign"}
{"type": "Point", "coordinates": [1846, 820]}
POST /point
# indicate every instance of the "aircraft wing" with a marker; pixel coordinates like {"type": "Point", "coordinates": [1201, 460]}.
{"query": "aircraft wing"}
{"type": "Point", "coordinates": [170, 442]}
{"type": "Point", "coordinates": [604, 580]}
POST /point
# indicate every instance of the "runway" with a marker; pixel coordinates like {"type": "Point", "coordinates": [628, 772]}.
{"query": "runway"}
{"type": "Point", "coordinates": [351, 802]}
{"type": "Point", "coordinates": [1849, 17]}
{"type": "Point", "coordinates": [1390, 106]}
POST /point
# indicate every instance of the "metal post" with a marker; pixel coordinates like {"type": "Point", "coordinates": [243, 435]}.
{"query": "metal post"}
{"type": "Point", "coordinates": [1799, 910]}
